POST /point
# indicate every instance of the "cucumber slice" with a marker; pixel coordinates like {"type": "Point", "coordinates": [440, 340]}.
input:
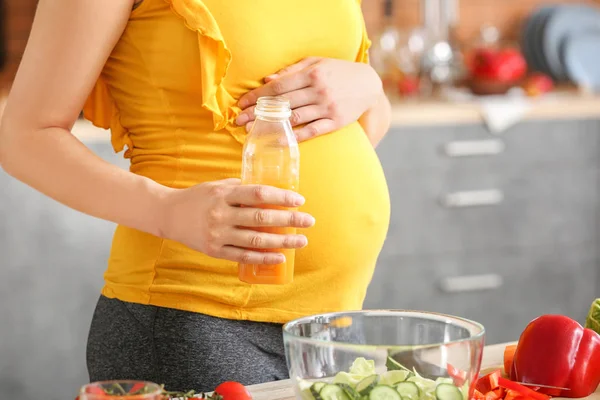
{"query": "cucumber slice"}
{"type": "Point", "coordinates": [409, 390]}
{"type": "Point", "coordinates": [392, 378]}
{"type": "Point", "coordinates": [333, 392]}
{"type": "Point", "coordinates": [383, 392]}
{"type": "Point", "coordinates": [315, 389]}
{"type": "Point", "coordinates": [446, 391]}
{"type": "Point", "coordinates": [350, 391]}
{"type": "Point", "coordinates": [366, 385]}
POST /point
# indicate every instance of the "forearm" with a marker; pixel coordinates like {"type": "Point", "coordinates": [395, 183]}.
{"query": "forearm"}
{"type": "Point", "coordinates": [57, 164]}
{"type": "Point", "coordinates": [376, 121]}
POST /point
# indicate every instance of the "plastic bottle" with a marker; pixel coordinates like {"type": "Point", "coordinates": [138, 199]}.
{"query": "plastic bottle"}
{"type": "Point", "coordinates": [271, 157]}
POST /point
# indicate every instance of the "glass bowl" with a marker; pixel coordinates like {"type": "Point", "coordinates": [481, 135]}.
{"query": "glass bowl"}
{"type": "Point", "coordinates": [120, 390]}
{"type": "Point", "coordinates": [383, 355]}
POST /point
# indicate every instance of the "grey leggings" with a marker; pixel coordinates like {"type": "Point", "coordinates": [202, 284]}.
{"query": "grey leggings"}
{"type": "Point", "coordinates": [180, 349]}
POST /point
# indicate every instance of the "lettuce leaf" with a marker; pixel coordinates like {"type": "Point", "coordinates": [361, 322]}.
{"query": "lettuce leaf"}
{"type": "Point", "coordinates": [593, 319]}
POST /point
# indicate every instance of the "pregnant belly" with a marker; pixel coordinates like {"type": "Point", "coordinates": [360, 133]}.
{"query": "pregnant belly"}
{"type": "Point", "coordinates": [346, 191]}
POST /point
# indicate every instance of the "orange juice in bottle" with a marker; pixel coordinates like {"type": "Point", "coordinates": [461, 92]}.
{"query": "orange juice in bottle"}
{"type": "Point", "coordinates": [271, 157]}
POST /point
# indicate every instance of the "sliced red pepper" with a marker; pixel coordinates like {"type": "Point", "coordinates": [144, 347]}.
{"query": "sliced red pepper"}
{"type": "Point", "coordinates": [137, 387]}
{"type": "Point", "coordinates": [458, 376]}
{"type": "Point", "coordinates": [477, 395]}
{"type": "Point", "coordinates": [509, 356]}
{"type": "Point", "coordinates": [491, 396]}
{"type": "Point", "coordinates": [489, 382]}
{"type": "Point", "coordinates": [513, 395]}
{"type": "Point", "coordinates": [523, 390]}
{"type": "Point", "coordinates": [546, 354]}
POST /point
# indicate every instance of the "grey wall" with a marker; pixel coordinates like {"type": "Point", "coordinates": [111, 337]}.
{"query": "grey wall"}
{"type": "Point", "coordinates": [541, 240]}
{"type": "Point", "coordinates": [52, 260]}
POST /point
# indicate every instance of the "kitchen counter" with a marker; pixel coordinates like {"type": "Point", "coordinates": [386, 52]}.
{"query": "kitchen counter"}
{"type": "Point", "coordinates": [282, 390]}
{"type": "Point", "coordinates": [559, 105]}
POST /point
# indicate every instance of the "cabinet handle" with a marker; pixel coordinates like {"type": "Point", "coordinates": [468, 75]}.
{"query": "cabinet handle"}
{"type": "Point", "coordinates": [468, 148]}
{"type": "Point", "coordinates": [469, 283]}
{"type": "Point", "coordinates": [473, 198]}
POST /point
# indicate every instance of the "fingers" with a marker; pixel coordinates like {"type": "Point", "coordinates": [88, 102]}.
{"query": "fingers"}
{"type": "Point", "coordinates": [250, 239]}
{"type": "Point", "coordinates": [229, 181]}
{"type": "Point", "coordinates": [257, 195]}
{"type": "Point", "coordinates": [243, 240]}
{"type": "Point", "coordinates": [246, 116]}
{"type": "Point", "coordinates": [302, 97]}
{"type": "Point", "coordinates": [283, 85]}
{"type": "Point", "coordinates": [257, 217]}
{"type": "Point", "coordinates": [314, 129]}
{"type": "Point", "coordinates": [298, 98]}
{"type": "Point", "coordinates": [304, 115]}
{"type": "Point", "coordinates": [251, 257]}
{"type": "Point", "coordinates": [304, 63]}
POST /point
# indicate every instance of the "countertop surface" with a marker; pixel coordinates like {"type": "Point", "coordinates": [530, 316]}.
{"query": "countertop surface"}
{"type": "Point", "coordinates": [282, 390]}
{"type": "Point", "coordinates": [566, 103]}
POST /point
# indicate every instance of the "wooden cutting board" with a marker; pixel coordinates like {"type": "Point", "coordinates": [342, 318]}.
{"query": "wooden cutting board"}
{"type": "Point", "coordinates": [283, 390]}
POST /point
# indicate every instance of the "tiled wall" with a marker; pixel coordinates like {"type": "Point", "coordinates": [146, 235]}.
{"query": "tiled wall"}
{"type": "Point", "coordinates": [506, 14]}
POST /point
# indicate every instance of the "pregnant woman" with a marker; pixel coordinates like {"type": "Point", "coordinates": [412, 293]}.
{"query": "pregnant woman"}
{"type": "Point", "coordinates": [175, 81]}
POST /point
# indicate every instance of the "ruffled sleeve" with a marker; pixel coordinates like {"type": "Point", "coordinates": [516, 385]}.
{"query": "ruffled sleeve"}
{"type": "Point", "coordinates": [215, 59]}
{"type": "Point", "coordinates": [101, 110]}
{"type": "Point", "coordinates": [365, 44]}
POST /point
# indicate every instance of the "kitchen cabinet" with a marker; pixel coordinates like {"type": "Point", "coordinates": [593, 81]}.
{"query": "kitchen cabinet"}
{"type": "Point", "coordinates": [508, 287]}
{"type": "Point", "coordinates": [525, 223]}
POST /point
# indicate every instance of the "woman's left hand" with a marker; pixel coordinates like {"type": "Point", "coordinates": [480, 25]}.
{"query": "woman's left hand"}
{"type": "Point", "coordinates": [325, 94]}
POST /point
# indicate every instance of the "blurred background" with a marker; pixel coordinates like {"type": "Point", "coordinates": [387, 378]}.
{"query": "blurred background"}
{"type": "Point", "coordinates": [493, 163]}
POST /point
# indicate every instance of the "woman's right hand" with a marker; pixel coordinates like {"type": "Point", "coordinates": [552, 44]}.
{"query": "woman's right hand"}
{"type": "Point", "coordinates": [217, 218]}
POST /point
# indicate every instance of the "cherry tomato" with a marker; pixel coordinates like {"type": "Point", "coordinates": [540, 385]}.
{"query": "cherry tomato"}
{"type": "Point", "coordinates": [233, 391]}
{"type": "Point", "coordinates": [93, 393]}
{"type": "Point", "coordinates": [95, 390]}
{"type": "Point", "coordinates": [408, 85]}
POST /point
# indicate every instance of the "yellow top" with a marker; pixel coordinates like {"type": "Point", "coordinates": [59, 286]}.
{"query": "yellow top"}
{"type": "Point", "coordinates": [168, 93]}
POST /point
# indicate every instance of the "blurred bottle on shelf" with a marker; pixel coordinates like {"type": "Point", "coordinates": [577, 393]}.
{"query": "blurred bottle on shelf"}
{"type": "Point", "coordinates": [384, 50]}
{"type": "Point", "coordinates": [442, 63]}
{"type": "Point", "coordinates": [395, 55]}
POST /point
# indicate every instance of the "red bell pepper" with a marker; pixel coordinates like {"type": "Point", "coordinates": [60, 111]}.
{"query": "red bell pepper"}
{"type": "Point", "coordinates": [557, 351]}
